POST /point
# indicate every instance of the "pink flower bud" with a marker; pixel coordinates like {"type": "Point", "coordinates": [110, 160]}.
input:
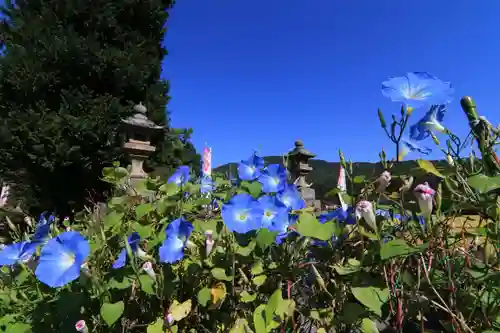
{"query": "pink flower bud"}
{"type": "Point", "coordinates": [383, 181]}
{"type": "Point", "coordinates": [209, 242]}
{"type": "Point", "coordinates": [81, 326]}
{"type": "Point", "coordinates": [364, 209]}
{"type": "Point", "coordinates": [148, 268]}
{"type": "Point", "coordinates": [425, 195]}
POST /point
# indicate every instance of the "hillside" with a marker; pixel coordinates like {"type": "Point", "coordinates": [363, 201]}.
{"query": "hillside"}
{"type": "Point", "coordinates": [324, 174]}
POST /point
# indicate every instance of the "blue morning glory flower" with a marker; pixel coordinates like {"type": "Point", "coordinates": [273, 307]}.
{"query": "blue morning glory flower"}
{"type": "Point", "coordinates": [242, 214]}
{"type": "Point", "coordinates": [417, 89]}
{"type": "Point", "coordinates": [342, 215]}
{"type": "Point", "coordinates": [180, 176]}
{"type": "Point", "coordinates": [291, 198]}
{"type": "Point", "coordinates": [408, 147]}
{"type": "Point", "coordinates": [133, 241]}
{"type": "Point", "coordinates": [430, 122]}
{"type": "Point", "coordinates": [320, 243]}
{"type": "Point", "coordinates": [178, 232]}
{"type": "Point", "coordinates": [273, 178]}
{"type": "Point", "coordinates": [382, 212]}
{"type": "Point", "coordinates": [16, 253]}
{"type": "Point", "coordinates": [42, 229]}
{"type": "Point", "coordinates": [275, 216]}
{"type": "Point", "coordinates": [207, 185]}
{"type": "Point", "coordinates": [250, 169]}
{"type": "Point", "coordinates": [62, 258]}
{"type": "Point", "coordinates": [286, 231]}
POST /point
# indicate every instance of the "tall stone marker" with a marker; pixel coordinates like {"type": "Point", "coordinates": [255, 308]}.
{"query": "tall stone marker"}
{"type": "Point", "coordinates": [298, 167]}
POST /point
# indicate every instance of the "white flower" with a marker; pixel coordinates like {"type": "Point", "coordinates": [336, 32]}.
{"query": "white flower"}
{"type": "Point", "coordinates": [364, 209]}
{"type": "Point", "coordinates": [81, 326]}
{"type": "Point", "coordinates": [425, 195]}
{"type": "Point", "coordinates": [383, 181]}
{"type": "Point", "coordinates": [209, 242]}
{"type": "Point", "coordinates": [148, 268]}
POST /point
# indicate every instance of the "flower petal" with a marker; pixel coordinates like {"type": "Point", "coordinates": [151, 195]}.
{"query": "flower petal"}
{"type": "Point", "coordinates": [172, 250]}
{"type": "Point", "coordinates": [121, 260]}
{"type": "Point", "coordinates": [61, 259]}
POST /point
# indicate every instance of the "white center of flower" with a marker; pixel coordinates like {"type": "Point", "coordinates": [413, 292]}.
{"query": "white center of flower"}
{"type": "Point", "coordinates": [178, 243]}
{"type": "Point", "coordinates": [67, 260]}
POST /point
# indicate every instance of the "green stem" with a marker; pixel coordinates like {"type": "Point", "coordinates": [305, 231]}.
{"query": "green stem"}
{"type": "Point", "coordinates": [482, 135]}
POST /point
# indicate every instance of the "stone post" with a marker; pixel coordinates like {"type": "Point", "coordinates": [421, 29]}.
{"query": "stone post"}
{"type": "Point", "coordinates": [138, 147]}
{"type": "Point", "coordinates": [298, 167]}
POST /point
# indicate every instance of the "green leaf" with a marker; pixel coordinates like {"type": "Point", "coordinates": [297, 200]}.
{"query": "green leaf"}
{"type": "Point", "coordinates": [169, 189]}
{"type": "Point", "coordinates": [142, 210]}
{"type": "Point", "coordinates": [180, 311]}
{"type": "Point", "coordinates": [265, 238]}
{"type": "Point", "coordinates": [352, 266]}
{"type": "Point", "coordinates": [429, 168]}
{"type": "Point", "coordinates": [371, 297]}
{"type": "Point", "coordinates": [351, 312]}
{"type": "Point", "coordinates": [245, 251]}
{"type": "Point", "coordinates": [253, 188]}
{"type": "Point", "coordinates": [286, 308]}
{"type": "Point", "coordinates": [112, 219]}
{"type": "Point", "coordinates": [220, 274]}
{"type": "Point", "coordinates": [272, 305]}
{"type": "Point", "coordinates": [156, 327]}
{"type": "Point", "coordinates": [368, 326]}
{"type": "Point", "coordinates": [146, 284]}
{"type": "Point", "coordinates": [143, 230]}
{"type": "Point", "coordinates": [359, 179]}
{"type": "Point", "coordinates": [308, 226]}
{"type": "Point", "coordinates": [204, 296]}
{"type": "Point", "coordinates": [120, 285]}
{"type": "Point", "coordinates": [246, 297]}
{"type": "Point", "coordinates": [398, 247]}
{"type": "Point", "coordinates": [18, 328]}
{"type": "Point", "coordinates": [259, 280]}
{"type": "Point", "coordinates": [111, 312]}
{"type": "Point", "coordinates": [257, 268]}
{"type": "Point", "coordinates": [259, 321]}
{"type": "Point", "coordinates": [483, 183]}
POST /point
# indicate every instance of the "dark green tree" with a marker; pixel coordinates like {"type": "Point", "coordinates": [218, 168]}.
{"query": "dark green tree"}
{"type": "Point", "coordinates": [69, 72]}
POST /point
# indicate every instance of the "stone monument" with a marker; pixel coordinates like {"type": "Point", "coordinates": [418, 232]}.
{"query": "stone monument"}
{"type": "Point", "coordinates": [298, 167]}
{"type": "Point", "coordinates": [139, 130]}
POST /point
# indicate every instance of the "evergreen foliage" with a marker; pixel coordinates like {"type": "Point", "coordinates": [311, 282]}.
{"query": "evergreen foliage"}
{"type": "Point", "coordinates": [70, 71]}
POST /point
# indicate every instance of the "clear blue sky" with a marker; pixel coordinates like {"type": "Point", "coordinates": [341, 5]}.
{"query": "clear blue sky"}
{"type": "Point", "coordinates": [259, 75]}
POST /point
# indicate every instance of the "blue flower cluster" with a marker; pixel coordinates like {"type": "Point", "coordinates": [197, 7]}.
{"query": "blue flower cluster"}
{"type": "Point", "coordinates": [61, 257]}
{"type": "Point", "coordinates": [418, 89]}
{"type": "Point", "coordinates": [273, 210]}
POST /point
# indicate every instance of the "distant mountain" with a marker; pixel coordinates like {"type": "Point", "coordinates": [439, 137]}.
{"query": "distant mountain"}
{"type": "Point", "coordinates": [324, 175]}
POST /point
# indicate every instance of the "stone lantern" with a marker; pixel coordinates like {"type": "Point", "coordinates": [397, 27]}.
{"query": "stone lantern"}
{"type": "Point", "coordinates": [139, 130]}
{"type": "Point", "coordinates": [298, 167]}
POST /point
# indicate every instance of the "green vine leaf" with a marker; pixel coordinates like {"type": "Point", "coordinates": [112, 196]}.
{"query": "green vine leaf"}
{"type": "Point", "coordinates": [308, 226]}
{"type": "Point", "coordinates": [371, 297]}
{"type": "Point", "coordinates": [111, 312]}
{"type": "Point", "coordinates": [220, 274]}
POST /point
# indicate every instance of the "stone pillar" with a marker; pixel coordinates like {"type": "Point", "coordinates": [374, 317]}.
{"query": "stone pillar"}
{"type": "Point", "coordinates": [138, 147]}
{"type": "Point", "coordinates": [298, 167]}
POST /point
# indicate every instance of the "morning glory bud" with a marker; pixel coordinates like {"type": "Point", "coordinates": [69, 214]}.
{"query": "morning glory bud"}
{"type": "Point", "coordinates": [209, 242]}
{"type": "Point", "coordinates": [425, 195]}
{"type": "Point", "coordinates": [383, 181]}
{"type": "Point", "coordinates": [28, 221]}
{"type": "Point", "coordinates": [81, 326]}
{"type": "Point", "coordinates": [364, 209]}
{"type": "Point", "coordinates": [450, 160]}
{"type": "Point", "coordinates": [148, 268]}
{"type": "Point", "coordinates": [381, 118]}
